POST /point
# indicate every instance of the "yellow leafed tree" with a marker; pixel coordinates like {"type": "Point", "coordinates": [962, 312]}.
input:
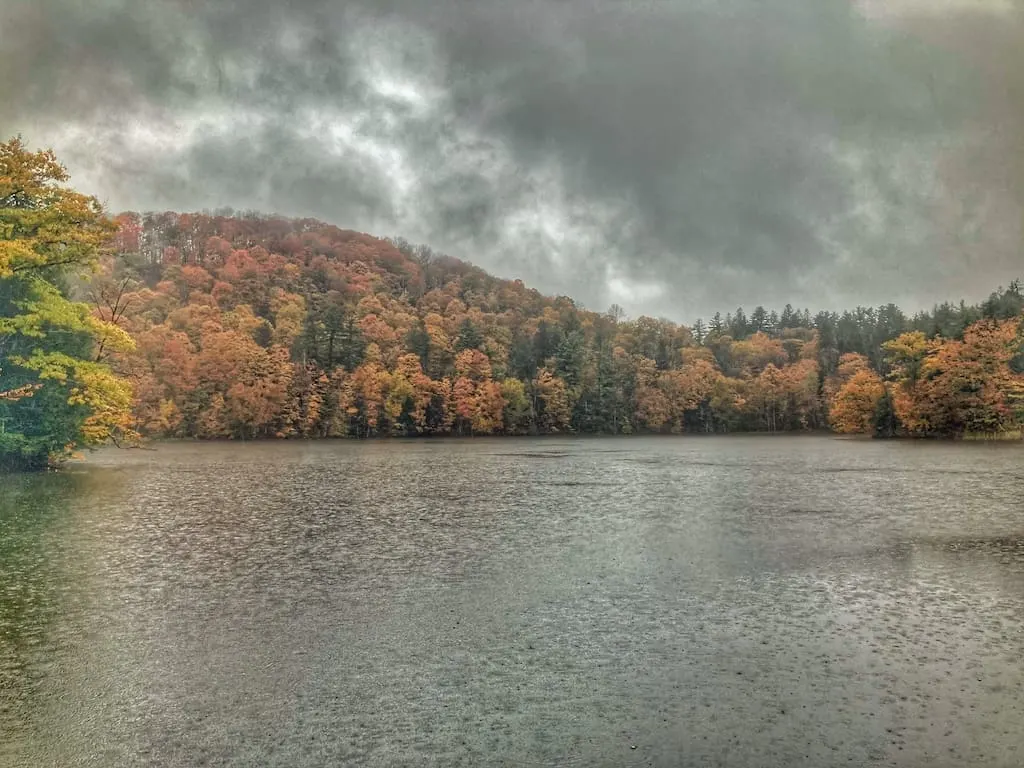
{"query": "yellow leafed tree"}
{"type": "Point", "coordinates": [50, 345]}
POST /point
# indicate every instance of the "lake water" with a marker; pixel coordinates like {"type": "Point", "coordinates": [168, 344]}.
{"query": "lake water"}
{"type": "Point", "coordinates": [734, 601]}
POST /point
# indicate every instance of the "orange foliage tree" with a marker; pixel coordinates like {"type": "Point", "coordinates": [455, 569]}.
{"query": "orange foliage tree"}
{"type": "Point", "coordinates": [854, 406]}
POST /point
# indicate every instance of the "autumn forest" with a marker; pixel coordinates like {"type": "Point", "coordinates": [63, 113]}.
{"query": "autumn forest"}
{"type": "Point", "coordinates": [245, 326]}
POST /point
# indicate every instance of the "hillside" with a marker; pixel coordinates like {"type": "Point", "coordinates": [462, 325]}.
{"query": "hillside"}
{"type": "Point", "coordinates": [250, 327]}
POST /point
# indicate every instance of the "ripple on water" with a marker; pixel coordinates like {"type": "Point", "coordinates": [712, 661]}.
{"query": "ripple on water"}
{"type": "Point", "coordinates": [657, 602]}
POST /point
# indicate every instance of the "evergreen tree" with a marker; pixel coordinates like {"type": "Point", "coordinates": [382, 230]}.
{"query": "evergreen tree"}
{"type": "Point", "coordinates": [469, 336]}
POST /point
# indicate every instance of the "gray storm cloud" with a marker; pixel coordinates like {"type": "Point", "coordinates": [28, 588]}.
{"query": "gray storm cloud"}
{"type": "Point", "coordinates": [674, 157]}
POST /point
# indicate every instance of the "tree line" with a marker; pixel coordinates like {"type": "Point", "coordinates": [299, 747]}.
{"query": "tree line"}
{"type": "Point", "coordinates": [249, 327]}
{"type": "Point", "coordinates": [225, 325]}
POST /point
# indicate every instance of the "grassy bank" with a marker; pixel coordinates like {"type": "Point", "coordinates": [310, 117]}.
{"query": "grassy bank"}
{"type": "Point", "coordinates": [1006, 435]}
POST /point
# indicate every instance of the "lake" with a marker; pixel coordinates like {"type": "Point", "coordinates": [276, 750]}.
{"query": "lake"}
{"type": "Point", "coordinates": [719, 601]}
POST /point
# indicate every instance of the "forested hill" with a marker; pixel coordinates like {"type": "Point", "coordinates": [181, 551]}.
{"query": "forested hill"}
{"type": "Point", "coordinates": [249, 326]}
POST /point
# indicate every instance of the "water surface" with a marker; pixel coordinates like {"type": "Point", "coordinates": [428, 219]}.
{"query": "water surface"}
{"type": "Point", "coordinates": [734, 601]}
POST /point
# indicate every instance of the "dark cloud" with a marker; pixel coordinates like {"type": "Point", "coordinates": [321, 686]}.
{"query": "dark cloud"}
{"type": "Point", "coordinates": [675, 157]}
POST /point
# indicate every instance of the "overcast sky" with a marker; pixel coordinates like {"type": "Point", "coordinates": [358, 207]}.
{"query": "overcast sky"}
{"type": "Point", "coordinates": [676, 157]}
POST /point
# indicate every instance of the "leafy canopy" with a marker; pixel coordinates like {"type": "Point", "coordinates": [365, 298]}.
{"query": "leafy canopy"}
{"type": "Point", "coordinates": [54, 393]}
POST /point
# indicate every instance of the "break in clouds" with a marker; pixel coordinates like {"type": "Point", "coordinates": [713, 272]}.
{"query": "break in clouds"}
{"type": "Point", "coordinates": [674, 157]}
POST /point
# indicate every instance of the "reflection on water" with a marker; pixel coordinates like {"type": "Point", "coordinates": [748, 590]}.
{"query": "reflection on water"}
{"type": "Point", "coordinates": [720, 601]}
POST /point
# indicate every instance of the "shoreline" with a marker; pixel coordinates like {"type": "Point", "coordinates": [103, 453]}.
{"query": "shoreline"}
{"type": "Point", "coordinates": [1007, 437]}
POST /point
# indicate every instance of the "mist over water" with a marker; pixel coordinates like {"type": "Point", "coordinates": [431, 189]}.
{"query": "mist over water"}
{"type": "Point", "coordinates": [779, 601]}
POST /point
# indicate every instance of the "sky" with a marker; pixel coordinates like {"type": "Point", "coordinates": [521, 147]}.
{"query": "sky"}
{"type": "Point", "coordinates": [676, 157]}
